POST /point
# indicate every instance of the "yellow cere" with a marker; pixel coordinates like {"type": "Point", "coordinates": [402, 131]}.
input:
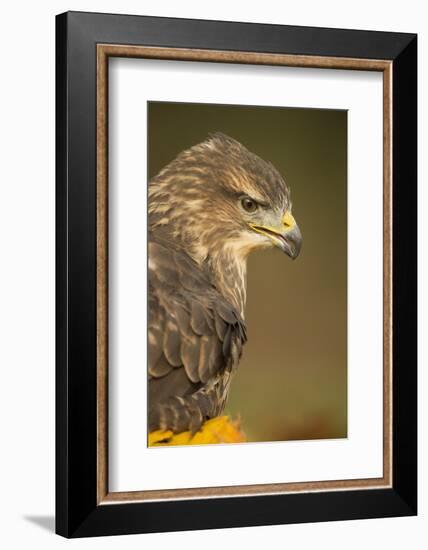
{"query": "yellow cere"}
{"type": "Point", "coordinates": [288, 220]}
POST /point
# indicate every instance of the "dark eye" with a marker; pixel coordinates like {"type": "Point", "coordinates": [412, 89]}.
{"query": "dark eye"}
{"type": "Point", "coordinates": [249, 205]}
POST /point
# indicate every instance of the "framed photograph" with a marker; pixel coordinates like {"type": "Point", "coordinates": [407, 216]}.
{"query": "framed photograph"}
{"type": "Point", "coordinates": [236, 274]}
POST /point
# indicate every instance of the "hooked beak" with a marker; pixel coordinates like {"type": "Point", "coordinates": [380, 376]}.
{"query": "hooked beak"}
{"type": "Point", "coordinates": [287, 237]}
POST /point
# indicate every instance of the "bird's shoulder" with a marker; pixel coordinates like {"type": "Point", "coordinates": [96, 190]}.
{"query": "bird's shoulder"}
{"type": "Point", "coordinates": [174, 271]}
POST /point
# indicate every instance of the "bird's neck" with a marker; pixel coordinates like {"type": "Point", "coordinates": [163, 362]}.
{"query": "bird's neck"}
{"type": "Point", "coordinates": [225, 263]}
{"type": "Point", "coordinates": [229, 275]}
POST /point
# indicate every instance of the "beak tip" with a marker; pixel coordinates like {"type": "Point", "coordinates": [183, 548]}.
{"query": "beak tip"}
{"type": "Point", "coordinates": [294, 243]}
{"type": "Point", "coordinates": [294, 255]}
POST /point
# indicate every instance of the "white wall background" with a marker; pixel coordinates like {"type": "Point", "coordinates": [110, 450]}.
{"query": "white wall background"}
{"type": "Point", "coordinates": [27, 272]}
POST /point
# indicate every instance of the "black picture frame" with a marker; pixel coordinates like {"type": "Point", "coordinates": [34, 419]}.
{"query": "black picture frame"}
{"type": "Point", "coordinates": [77, 511]}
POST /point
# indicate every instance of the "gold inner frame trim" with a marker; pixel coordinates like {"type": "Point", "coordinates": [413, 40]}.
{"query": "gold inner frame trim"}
{"type": "Point", "coordinates": [104, 51]}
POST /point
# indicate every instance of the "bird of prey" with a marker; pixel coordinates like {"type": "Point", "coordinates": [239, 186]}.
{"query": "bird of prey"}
{"type": "Point", "coordinates": [208, 209]}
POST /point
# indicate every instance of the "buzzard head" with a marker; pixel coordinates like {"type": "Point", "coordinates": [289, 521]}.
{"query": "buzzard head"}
{"type": "Point", "coordinates": [218, 197]}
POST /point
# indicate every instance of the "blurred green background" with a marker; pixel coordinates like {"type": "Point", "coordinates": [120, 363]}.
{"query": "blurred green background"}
{"type": "Point", "coordinates": [292, 379]}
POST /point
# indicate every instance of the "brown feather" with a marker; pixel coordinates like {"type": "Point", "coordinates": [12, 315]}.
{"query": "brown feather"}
{"type": "Point", "coordinates": [190, 356]}
{"type": "Point", "coordinates": [154, 345]}
{"type": "Point", "coordinates": [216, 359]}
{"type": "Point", "coordinates": [172, 344]}
{"type": "Point", "coordinates": [160, 368]}
{"type": "Point", "coordinates": [226, 312]}
{"type": "Point", "coordinates": [220, 326]}
{"type": "Point", "coordinates": [204, 357]}
{"type": "Point", "coordinates": [227, 341]}
{"type": "Point", "coordinates": [200, 320]}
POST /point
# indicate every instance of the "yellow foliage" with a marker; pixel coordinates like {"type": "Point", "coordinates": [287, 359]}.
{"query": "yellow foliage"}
{"type": "Point", "coordinates": [216, 430]}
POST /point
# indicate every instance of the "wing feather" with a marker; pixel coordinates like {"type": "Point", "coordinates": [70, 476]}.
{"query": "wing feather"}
{"type": "Point", "coordinates": [216, 360]}
{"type": "Point", "coordinates": [172, 343]}
{"type": "Point", "coordinates": [220, 326]}
{"type": "Point", "coordinates": [190, 356]}
{"type": "Point", "coordinates": [154, 344]}
{"type": "Point", "coordinates": [226, 312]}
{"type": "Point", "coordinates": [227, 341]}
{"type": "Point", "coordinates": [200, 319]}
{"type": "Point", "coordinates": [206, 347]}
{"type": "Point", "coordinates": [160, 368]}
{"type": "Point", "coordinates": [194, 336]}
